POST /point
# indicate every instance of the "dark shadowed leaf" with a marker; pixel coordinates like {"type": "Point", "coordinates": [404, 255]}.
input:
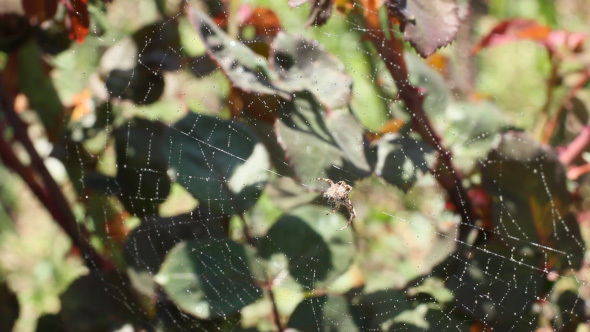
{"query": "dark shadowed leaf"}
{"type": "Point", "coordinates": [316, 251]}
{"type": "Point", "coordinates": [171, 319]}
{"type": "Point", "coordinates": [40, 10]}
{"type": "Point", "coordinates": [323, 313]}
{"type": "Point", "coordinates": [9, 309]}
{"type": "Point", "coordinates": [530, 200]}
{"type": "Point", "coordinates": [14, 31]}
{"type": "Point", "coordinates": [50, 323]}
{"type": "Point", "coordinates": [141, 173]}
{"type": "Point", "coordinates": [499, 284]}
{"type": "Point", "coordinates": [320, 145]}
{"type": "Point", "coordinates": [140, 84]}
{"type": "Point", "coordinates": [428, 317]}
{"type": "Point", "coordinates": [197, 272]}
{"type": "Point", "coordinates": [147, 246]}
{"type": "Point", "coordinates": [427, 24]}
{"type": "Point", "coordinates": [221, 163]}
{"type": "Point", "coordinates": [371, 311]}
{"type": "Point", "coordinates": [244, 68]}
{"type": "Point", "coordinates": [400, 159]}
{"type": "Point", "coordinates": [98, 302]}
{"type": "Point", "coordinates": [305, 65]}
{"type": "Point", "coordinates": [160, 45]}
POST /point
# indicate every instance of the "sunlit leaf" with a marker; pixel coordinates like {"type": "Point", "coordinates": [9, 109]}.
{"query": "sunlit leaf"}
{"type": "Point", "coordinates": [400, 159]}
{"type": "Point", "coordinates": [147, 246]}
{"type": "Point", "coordinates": [221, 163]}
{"type": "Point", "coordinates": [304, 65]}
{"type": "Point", "coordinates": [244, 68]}
{"type": "Point", "coordinates": [196, 272]}
{"type": "Point", "coordinates": [316, 251]}
{"type": "Point", "coordinates": [319, 144]}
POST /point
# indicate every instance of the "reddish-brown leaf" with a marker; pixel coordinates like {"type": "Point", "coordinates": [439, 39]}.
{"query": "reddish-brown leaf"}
{"type": "Point", "coordinates": [427, 24]}
{"type": "Point", "coordinates": [524, 29]}
{"type": "Point", "coordinates": [78, 19]}
{"type": "Point", "coordinates": [40, 10]}
{"type": "Point", "coordinates": [371, 12]}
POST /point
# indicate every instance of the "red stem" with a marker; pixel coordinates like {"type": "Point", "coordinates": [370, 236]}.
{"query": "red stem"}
{"type": "Point", "coordinates": [391, 51]}
{"type": "Point", "coordinates": [275, 310]}
{"type": "Point", "coordinates": [576, 147]}
{"type": "Point", "coordinates": [47, 190]}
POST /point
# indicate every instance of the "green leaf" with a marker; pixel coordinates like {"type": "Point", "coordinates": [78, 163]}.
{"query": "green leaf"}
{"type": "Point", "coordinates": [428, 25]}
{"type": "Point", "coordinates": [147, 245]}
{"type": "Point", "coordinates": [469, 130]}
{"type": "Point", "coordinates": [304, 65]}
{"type": "Point", "coordinates": [244, 68]}
{"type": "Point", "coordinates": [221, 163]}
{"type": "Point", "coordinates": [372, 310]}
{"type": "Point", "coordinates": [210, 278]}
{"type": "Point", "coordinates": [316, 252]}
{"type": "Point", "coordinates": [499, 284]}
{"type": "Point", "coordinates": [140, 84]}
{"type": "Point", "coordinates": [321, 145]}
{"type": "Point", "coordinates": [427, 317]}
{"type": "Point", "coordinates": [97, 302]}
{"type": "Point", "coordinates": [39, 89]}
{"type": "Point", "coordinates": [400, 159]}
{"type": "Point", "coordinates": [322, 313]}
{"type": "Point", "coordinates": [159, 45]}
{"type": "Point", "coordinates": [530, 200]}
{"type": "Point", "coordinates": [141, 171]}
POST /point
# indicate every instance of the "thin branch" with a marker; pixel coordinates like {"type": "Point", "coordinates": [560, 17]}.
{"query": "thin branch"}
{"type": "Point", "coordinates": [551, 125]}
{"type": "Point", "coordinates": [575, 172]}
{"type": "Point", "coordinates": [48, 190]}
{"type": "Point", "coordinates": [391, 51]}
{"type": "Point", "coordinates": [275, 310]}
{"type": "Point", "coordinates": [550, 92]}
{"type": "Point", "coordinates": [576, 147]}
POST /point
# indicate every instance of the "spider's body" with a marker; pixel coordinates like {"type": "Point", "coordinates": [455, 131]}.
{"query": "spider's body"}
{"type": "Point", "coordinates": [337, 196]}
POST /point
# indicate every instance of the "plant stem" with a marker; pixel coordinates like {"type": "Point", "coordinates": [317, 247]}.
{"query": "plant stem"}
{"type": "Point", "coordinates": [275, 310]}
{"type": "Point", "coordinates": [550, 125]}
{"type": "Point", "coordinates": [391, 51]}
{"type": "Point", "coordinates": [48, 191]}
{"type": "Point", "coordinates": [576, 147]}
{"type": "Point", "coordinates": [551, 85]}
{"type": "Point", "coordinates": [232, 19]}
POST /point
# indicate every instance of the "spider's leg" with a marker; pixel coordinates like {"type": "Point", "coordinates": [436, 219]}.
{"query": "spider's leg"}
{"type": "Point", "coordinates": [352, 214]}
{"type": "Point", "coordinates": [333, 210]}
{"type": "Point", "coordinates": [324, 179]}
{"type": "Point", "coordinates": [347, 225]}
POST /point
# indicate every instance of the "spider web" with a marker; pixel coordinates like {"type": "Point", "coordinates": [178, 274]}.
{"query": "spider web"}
{"type": "Point", "coordinates": [227, 226]}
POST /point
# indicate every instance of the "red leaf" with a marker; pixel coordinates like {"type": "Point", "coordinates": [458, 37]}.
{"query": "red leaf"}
{"type": "Point", "coordinates": [427, 24]}
{"type": "Point", "coordinates": [40, 10]}
{"type": "Point", "coordinates": [78, 18]}
{"type": "Point", "coordinates": [524, 29]}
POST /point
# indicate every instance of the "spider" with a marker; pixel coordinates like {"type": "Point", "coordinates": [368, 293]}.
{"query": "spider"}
{"type": "Point", "coordinates": [337, 196]}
